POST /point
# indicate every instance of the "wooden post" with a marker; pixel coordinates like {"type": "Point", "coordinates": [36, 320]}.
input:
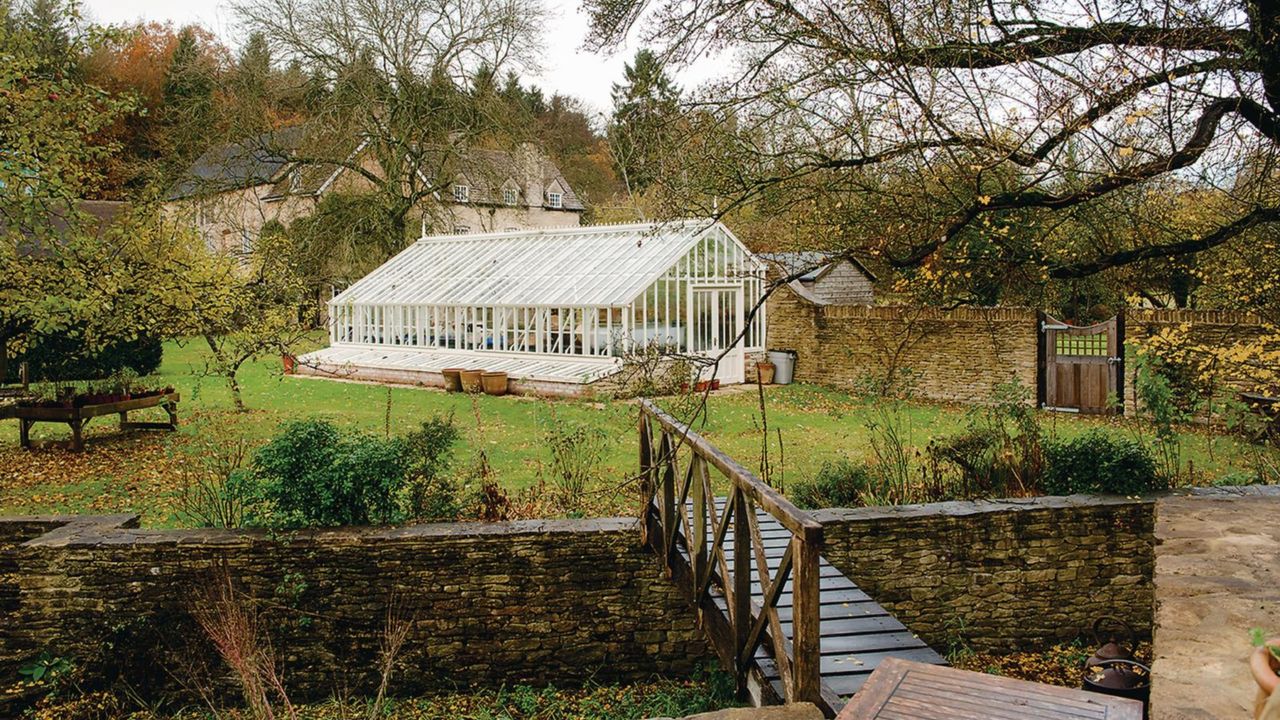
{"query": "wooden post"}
{"type": "Point", "coordinates": [741, 583]}
{"type": "Point", "coordinates": [24, 433]}
{"type": "Point", "coordinates": [698, 543]}
{"type": "Point", "coordinates": [77, 434]}
{"type": "Point", "coordinates": [669, 519]}
{"type": "Point", "coordinates": [646, 477]}
{"type": "Point", "coordinates": [806, 642]}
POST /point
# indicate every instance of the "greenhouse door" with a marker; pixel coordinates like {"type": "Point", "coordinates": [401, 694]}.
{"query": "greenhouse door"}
{"type": "Point", "coordinates": [715, 320]}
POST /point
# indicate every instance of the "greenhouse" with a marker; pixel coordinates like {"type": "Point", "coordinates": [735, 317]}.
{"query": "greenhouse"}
{"type": "Point", "coordinates": [555, 309]}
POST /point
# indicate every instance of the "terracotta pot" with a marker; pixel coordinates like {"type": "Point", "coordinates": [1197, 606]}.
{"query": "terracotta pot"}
{"type": "Point", "coordinates": [452, 379]}
{"type": "Point", "coordinates": [471, 380]}
{"type": "Point", "coordinates": [1265, 668]}
{"type": "Point", "coordinates": [495, 383]}
{"type": "Point", "coordinates": [765, 369]}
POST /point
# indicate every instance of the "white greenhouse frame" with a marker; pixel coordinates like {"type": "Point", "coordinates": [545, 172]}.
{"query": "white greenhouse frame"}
{"type": "Point", "coordinates": [562, 304]}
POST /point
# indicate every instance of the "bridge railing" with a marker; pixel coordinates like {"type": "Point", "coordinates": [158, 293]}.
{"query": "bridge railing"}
{"type": "Point", "coordinates": [710, 549]}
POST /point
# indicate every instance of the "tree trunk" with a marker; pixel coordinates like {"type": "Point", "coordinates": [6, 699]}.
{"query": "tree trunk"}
{"type": "Point", "coordinates": [227, 370]}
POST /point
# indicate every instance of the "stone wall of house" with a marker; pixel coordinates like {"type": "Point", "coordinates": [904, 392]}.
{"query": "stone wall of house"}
{"type": "Point", "coordinates": [1002, 575]}
{"type": "Point", "coordinates": [948, 355]}
{"type": "Point", "coordinates": [488, 604]}
{"type": "Point", "coordinates": [1211, 328]}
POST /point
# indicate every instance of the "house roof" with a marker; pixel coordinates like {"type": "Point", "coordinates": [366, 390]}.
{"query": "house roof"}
{"type": "Point", "coordinates": [64, 219]}
{"type": "Point", "coordinates": [602, 265]}
{"type": "Point", "coordinates": [813, 263]}
{"type": "Point", "coordinates": [485, 170]}
{"type": "Point", "coordinates": [244, 163]}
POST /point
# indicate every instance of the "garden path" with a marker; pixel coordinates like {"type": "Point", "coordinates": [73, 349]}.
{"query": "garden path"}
{"type": "Point", "coordinates": [1217, 575]}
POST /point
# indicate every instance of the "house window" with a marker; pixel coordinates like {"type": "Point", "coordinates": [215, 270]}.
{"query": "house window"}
{"type": "Point", "coordinates": [246, 243]}
{"type": "Point", "coordinates": [461, 229]}
{"type": "Point", "coordinates": [510, 196]}
{"type": "Point", "coordinates": [461, 193]}
{"type": "Point", "coordinates": [555, 200]}
{"type": "Point", "coordinates": [295, 180]}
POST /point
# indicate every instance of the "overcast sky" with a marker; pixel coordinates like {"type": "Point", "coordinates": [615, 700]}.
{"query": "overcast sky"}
{"type": "Point", "coordinates": [567, 68]}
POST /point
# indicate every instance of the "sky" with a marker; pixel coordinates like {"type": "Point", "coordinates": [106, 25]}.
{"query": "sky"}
{"type": "Point", "coordinates": [568, 69]}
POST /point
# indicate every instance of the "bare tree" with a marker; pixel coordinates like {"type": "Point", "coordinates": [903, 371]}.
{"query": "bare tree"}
{"type": "Point", "coordinates": [399, 104]}
{"type": "Point", "coordinates": [941, 135]}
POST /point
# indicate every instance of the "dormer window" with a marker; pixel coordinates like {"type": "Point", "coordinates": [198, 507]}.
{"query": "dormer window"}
{"type": "Point", "coordinates": [295, 180]}
{"type": "Point", "coordinates": [461, 193]}
{"type": "Point", "coordinates": [510, 196]}
{"type": "Point", "coordinates": [555, 200]}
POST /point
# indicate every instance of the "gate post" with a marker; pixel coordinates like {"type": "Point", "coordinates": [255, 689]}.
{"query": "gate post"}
{"type": "Point", "coordinates": [1041, 361]}
{"type": "Point", "coordinates": [1120, 318]}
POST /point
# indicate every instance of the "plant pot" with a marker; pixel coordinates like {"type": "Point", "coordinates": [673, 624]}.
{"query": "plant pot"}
{"type": "Point", "coordinates": [452, 379]}
{"type": "Point", "coordinates": [471, 381]}
{"type": "Point", "coordinates": [765, 371]}
{"type": "Point", "coordinates": [494, 383]}
{"type": "Point", "coordinates": [290, 362]}
{"type": "Point", "coordinates": [1265, 668]}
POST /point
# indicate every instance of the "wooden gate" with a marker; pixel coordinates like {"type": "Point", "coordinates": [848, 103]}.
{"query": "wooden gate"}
{"type": "Point", "coordinates": [1083, 366]}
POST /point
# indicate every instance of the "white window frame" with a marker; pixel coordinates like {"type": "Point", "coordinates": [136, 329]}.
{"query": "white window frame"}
{"type": "Point", "coordinates": [461, 229]}
{"type": "Point", "coordinates": [555, 200]}
{"type": "Point", "coordinates": [510, 196]}
{"type": "Point", "coordinates": [462, 193]}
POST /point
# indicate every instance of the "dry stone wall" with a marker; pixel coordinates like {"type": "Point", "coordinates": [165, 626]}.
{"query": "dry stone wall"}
{"type": "Point", "coordinates": [1208, 328]}
{"type": "Point", "coordinates": [947, 355]}
{"type": "Point", "coordinates": [1002, 575]}
{"type": "Point", "coordinates": [489, 604]}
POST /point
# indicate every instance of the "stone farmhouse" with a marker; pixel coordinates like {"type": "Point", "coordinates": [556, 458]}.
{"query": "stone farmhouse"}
{"type": "Point", "coordinates": [234, 189]}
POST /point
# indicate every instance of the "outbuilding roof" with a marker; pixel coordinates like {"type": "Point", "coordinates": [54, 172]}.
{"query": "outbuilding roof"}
{"type": "Point", "coordinates": [601, 265]}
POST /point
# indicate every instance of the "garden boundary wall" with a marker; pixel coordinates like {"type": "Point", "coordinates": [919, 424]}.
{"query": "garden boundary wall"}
{"type": "Point", "coordinates": [946, 355]}
{"type": "Point", "coordinates": [960, 355]}
{"type": "Point", "coordinates": [1001, 575]}
{"type": "Point", "coordinates": [538, 602]}
{"type": "Point", "coordinates": [1204, 328]}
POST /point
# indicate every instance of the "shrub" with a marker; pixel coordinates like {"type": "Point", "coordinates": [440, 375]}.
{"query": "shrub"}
{"type": "Point", "coordinates": [217, 488]}
{"type": "Point", "coordinates": [1100, 462]}
{"type": "Point", "coordinates": [312, 474]}
{"type": "Point", "coordinates": [842, 483]}
{"type": "Point", "coordinates": [63, 357]}
{"type": "Point", "coordinates": [1002, 451]}
{"type": "Point", "coordinates": [431, 494]}
{"type": "Point", "coordinates": [577, 451]}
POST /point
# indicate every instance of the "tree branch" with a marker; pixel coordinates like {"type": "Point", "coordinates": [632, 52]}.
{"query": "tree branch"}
{"type": "Point", "coordinates": [1259, 216]}
{"type": "Point", "coordinates": [1044, 40]}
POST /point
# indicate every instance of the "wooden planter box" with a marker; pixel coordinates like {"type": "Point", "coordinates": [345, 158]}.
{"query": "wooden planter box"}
{"type": "Point", "coordinates": [76, 417]}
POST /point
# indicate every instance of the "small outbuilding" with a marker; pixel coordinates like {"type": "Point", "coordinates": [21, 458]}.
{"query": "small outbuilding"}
{"type": "Point", "coordinates": [555, 309]}
{"type": "Point", "coordinates": [824, 278]}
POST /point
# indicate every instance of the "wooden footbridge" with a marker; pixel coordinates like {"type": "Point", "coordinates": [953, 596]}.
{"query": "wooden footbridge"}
{"type": "Point", "coordinates": [784, 621]}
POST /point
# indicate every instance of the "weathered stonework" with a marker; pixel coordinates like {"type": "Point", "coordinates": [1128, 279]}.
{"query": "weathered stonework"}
{"type": "Point", "coordinates": [1209, 328]}
{"type": "Point", "coordinates": [526, 602]}
{"type": "Point", "coordinates": [949, 355]}
{"type": "Point", "coordinates": [1001, 575]}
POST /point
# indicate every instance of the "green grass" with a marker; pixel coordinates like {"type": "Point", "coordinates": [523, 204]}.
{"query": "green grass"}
{"type": "Point", "coordinates": [137, 472]}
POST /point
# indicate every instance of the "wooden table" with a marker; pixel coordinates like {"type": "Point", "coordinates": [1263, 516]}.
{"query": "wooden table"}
{"type": "Point", "coordinates": [76, 417]}
{"type": "Point", "coordinates": [901, 690]}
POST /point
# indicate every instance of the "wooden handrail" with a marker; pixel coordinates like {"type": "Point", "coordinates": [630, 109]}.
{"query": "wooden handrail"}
{"type": "Point", "coordinates": [773, 502]}
{"type": "Point", "coordinates": [677, 517]}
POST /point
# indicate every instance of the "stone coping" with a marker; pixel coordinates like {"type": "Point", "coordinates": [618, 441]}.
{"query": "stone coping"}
{"type": "Point", "coordinates": [121, 529]}
{"type": "Point", "coordinates": [962, 508]}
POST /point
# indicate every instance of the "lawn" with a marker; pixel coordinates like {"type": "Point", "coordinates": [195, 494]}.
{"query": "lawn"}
{"type": "Point", "coordinates": [141, 472]}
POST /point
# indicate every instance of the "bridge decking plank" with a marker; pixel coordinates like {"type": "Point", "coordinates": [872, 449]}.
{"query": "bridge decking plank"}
{"type": "Point", "coordinates": [857, 633]}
